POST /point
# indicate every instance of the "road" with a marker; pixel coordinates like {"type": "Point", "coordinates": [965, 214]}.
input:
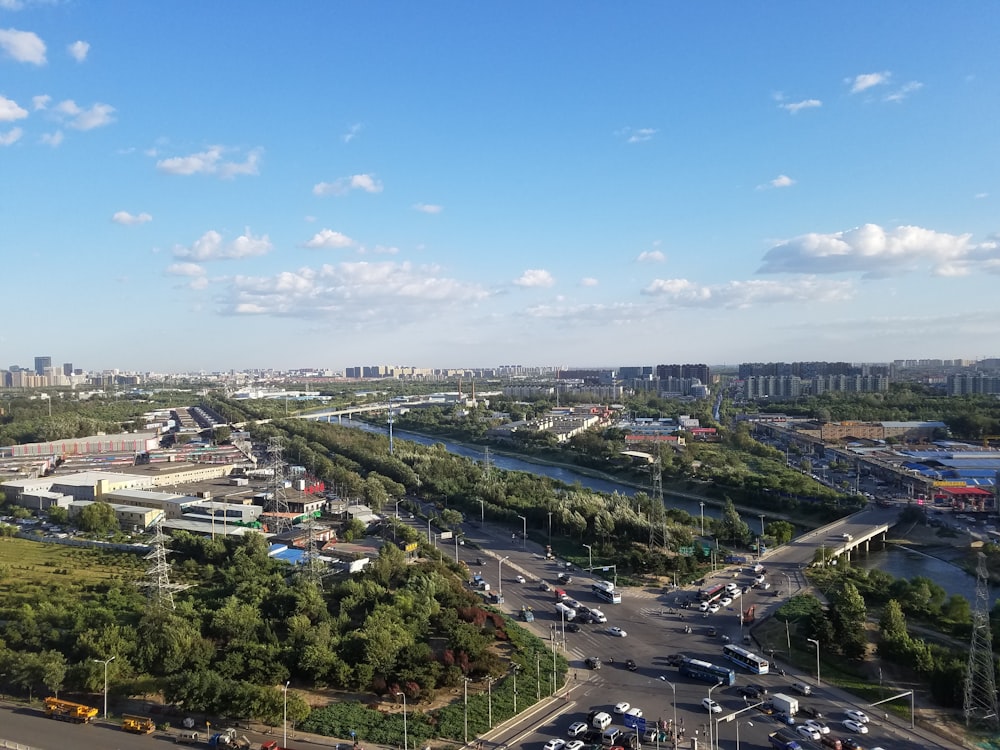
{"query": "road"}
{"type": "Point", "coordinates": [652, 619]}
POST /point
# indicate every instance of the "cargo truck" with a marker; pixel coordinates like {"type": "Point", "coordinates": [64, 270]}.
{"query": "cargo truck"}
{"type": "Point", "coordinates": [69, 711]}
{"type": "Point", "coordinates": [137, 724]}
{"type": "Point", "coordinates": [781, 741]}
{"type": "Point", "coordinates": [785, 703]}
{"type": "Point", "coordinates": [188, 737]}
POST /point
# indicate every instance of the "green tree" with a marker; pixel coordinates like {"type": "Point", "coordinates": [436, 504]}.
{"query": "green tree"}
{"type": "Point", "coordinates": [892, 624]}
{"type": "Point", "coordinates": [780, 531]}
{"type": "Point", "coordinates": [848, 615]}
{"type": "Point", "coordinates": [98, 518]}
{"type": "Point", "coordinates": [731, 527]}
{"type": "Point", "coordinates": [58, 515]}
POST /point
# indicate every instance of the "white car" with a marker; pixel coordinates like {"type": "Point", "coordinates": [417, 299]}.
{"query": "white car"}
{"type": "Point", "coordinates": [726, 601]}
{"type": "Point", "coordinates": [704, 606]}
{"type": "Point", "coordinates": [557, 744]}
{"type": "Point", "coordinates": [711, 705]}
{"type": "Point", "coordinates": [575, 745]}
{"type": "Point", "coordinates": [634, 711]}
{"type": "Point", "coordinates": [859, 716]}
{"type": "Point", "coordinates": [818, 726]}
{"type": "Point", "coordinates": [855, 726]}
{"type": "Point", "coordinates": [572, 603]}
{"type": "Point", "coordinates": [622, 707]}
{"type": "Point", "coordinates": [615, 630]}
{"type": "Point", "coordinates": [759, 580]}
{"type": "Point", "coordinates": [714, 608]}
{"type": "Point", "coordinates": [519, 579]}
{"type": "Point", "coordinates": [576, 729]}
{"type": "Point", "coordinates": [807, 731]}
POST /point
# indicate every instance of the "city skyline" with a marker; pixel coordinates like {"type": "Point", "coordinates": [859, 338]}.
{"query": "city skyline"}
{"type": "Point", "coordinates": [194, 189]}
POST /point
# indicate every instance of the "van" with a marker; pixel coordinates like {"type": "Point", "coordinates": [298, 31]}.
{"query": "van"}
{"type": "Point", "coordinates": [611, 735]}
{"type": "Point", "coordinates": [802, 688]}
{"type": "Point", "coordinates": [597, 616]}
{"type": "Point", "coordinates": [601, 721]}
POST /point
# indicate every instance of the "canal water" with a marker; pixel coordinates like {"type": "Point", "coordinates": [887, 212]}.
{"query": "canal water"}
{"type": "Point", "coordinates": [899, 562]}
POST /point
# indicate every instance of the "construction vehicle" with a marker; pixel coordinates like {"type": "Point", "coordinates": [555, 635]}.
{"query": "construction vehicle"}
{"type": "Point", "coordinates": [137, 724]}
{"type": "Point", "coordinates": [69, 711]}
{"type": "Point", "coordinates": [229, 738]}
{"type": "Point", "coordinates": [527, 614]}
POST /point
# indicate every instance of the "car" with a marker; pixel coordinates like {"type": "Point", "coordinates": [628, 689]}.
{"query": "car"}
{"type": "Point", "coordinates": [675, 659]}
{"type": "Point", "coordinates": [759, 688]}
{"type": "Point", "coordinates": [543, 586]}
{"type": "Point", "coordinates": [713, 608]}
{"type": "Point", "coordinates": [572, 627]}
{"type": "Point", "coordinates": [519, 579]}
{"type": "Point", "coordinates": [808, 732]}
{"type": "Point", "coordinates": [711, 705]}
{"type": "Point", "coordinates": [818, 726]}
{"type": "Point", "coordinates": [565, 578]}
{"type": "Point", "coordinates": [849, 743]}
{"type": "Point", "coordinates": [575, 745]}
{"type": "Point", "coordinates": [726, 601]}
{"type": "Point", "coordinates": [758, 568]}
{"type": "Point", "coordinates": [555, 744]}
{"type": "Point", "coordinates": [713, 631]}
{"type": "Point", "coordinates": [621, 708]}
{"type": "Point", "coordinates": [784, 718]}
{"type": "Point", "coordinates": [830, 741]}
{"type": "Point", "coordinates": [634, 711]}
{"type": "Point", "coordinates": [630, 665]}
{"type": "Point", "coordinates": [855, 726]}
{"type": "Point", "coordinates": [593, 662]}
{"type": "Point", "coordinates": [748, 692]}
{"type": "Point", "coordinates": [759, 580]}
{"type": "Point", "coordinates": [577, 728]}
{"type": "Point", "coordinates": [704, 606]}
{"type": "Point", "coordinates": [859, 716]}
{"type": "Point", "coordinates": [593, 737]}
{"type": "Point", "coordinates": [810, 711]}
{"type": "Point", "coordinates": [572, 603]}
{"type": "Point", "coordinates": [617, 631]}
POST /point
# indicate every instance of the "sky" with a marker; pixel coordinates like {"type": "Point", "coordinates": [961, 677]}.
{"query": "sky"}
{"type": "Point", "coordinates": [191, 186]}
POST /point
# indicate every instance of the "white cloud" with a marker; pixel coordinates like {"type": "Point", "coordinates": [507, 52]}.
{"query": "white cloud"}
{"type": "Point", "coordinates": [904, 91]}
{"type": "Point", "coordinates": [865, 81]}
{"type": "Point", "coordinates": [980, 196]}
{"type": "Point", "coordinates": [743, 294]}
{"type": "Point", "coordinates": [651, 256]}
{"type": "Point", "coordinates": [78, 51]}
{"type": "Point", "coordinates": [361, 294]}
{"type": "Point", "coordinates": [328, 239]}
{"type": "Point", "coordinates": [79, 118]}
{"type": "Point", "coordinates": [588, 281]}
{"type": "Point", "coordinates": [52, 139]}
{"type": "Point", "coordinates": [428, 208]}
{"type": "Point", "coordinates": [127, 219]}
{"type": "Point", "coordinates": [185, 269]}
{"type": "Point", "coordinates": [781, 181]}
{"type": "Point", "coordinates": [344, 185]}
{"type": "Point", "coordinates": [210, 246]}
{"type": "Point", "coordinates": [352, 132]}
{"type": "Point", "coordinates": [636, 135]}
{"type": "Point", "coordinates": [40, 102]}
{"type": "Point", "coordinates": [11, 136]}
{"type": "Point", "coordinates": [22, 46]}
{"type": "Point", "coordinates": [878, 252]}
{"type": "Point", "coordinates": [11, 110]}
{"type": "Point", "coordinates": [535, 277]}
{"type": "Point", "coordinates": [11, 4]}
{"type": "Point", "coordinates": [211, 162]}
{"type": "Point", "coordinates": [796, 107]}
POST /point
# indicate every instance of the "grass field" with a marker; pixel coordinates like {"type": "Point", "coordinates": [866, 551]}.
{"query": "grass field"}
{"type": "Point", "coordinates": [29, 562]}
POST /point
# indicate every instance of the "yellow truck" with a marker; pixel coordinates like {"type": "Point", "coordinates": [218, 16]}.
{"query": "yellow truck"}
{"type": "Point", "coordinates": [137, 724]}
{"type": "Point", "coordinates": [55, 708]}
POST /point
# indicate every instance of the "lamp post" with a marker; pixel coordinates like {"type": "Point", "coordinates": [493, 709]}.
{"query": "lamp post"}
{"type": "Point", "coordinates": [524, 531]}
{"type": "Point", "coordinates": [702, 518]}
{"type": "Point", "coordinates": [513, 676]}
{"type": "Point", "coordinates": [465, 721]}
{"type": "Point", "coordinates": [429, 541]}
{"type": "Point", "coordinates": [482, 510]}
{"type": "Point", "coordinates": [489, 699]}
{"type": "Point", "coordinates": [397, 508]}
{"type": "Point", "coordinates": [105, 662]}
{"type": "Point", "coordinates": [406, 737]}
{"type": "Point", "coordinates": [500, 575]}
{"type": "Point", "coordinates": [550, 529]}
{"type": "Point", "coordinates": [749, 724]}
{"type": "Point", "coordinates": [711, 720]}
{"type": "Point", "coordinates": [673, 689]}
{"type": "Point", "coordinates": [816, 644]}
{"type": "Point", "coordinates": [760, 543]}
{"type": "Point", "coordinates": [788, 580]}
{"type": "Point", "coordinates": [284, 716]}
{"type": "Point", "coordinates": [590, 557]}
{"type": "Point", "coordinates": [456, 547]}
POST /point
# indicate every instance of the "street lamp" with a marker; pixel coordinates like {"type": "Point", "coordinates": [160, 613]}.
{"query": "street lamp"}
{"type": "Point", "coordinates": [406, 738]}
{"type": "Point", "coordinates": [550, 534]}
{"type": "Point", "coordinates": [788, 580]}
{"type": "Point", "coordinates": [429, 541]}
{"type": "Point", "coordinates": [105, 662]}
{"type": "Point", "coordinates": [673, 689]}
{"type": "Point", "coordinates": [590, 557]}
{"type": "Point", "coordinates": [457, 537]}
{"type": "Point", "coordinates": [524, 530]}
{"type": "Point", "coordinates": [815, 642]}
{"type": "Point", "coordinates": [760, 543]}
{"type": "Point", "coordinates": [284, 716]}
{"type": "Point", "coordinates": [482, 510]}
{"type": "Point", "coordinates": [702, 518]}
{"type": "Point", "coordinates": [513, 676]}
{"type": "Point", "coordinates": [489, 699]}
{"type": "Point", "coordinates": [465, 723]}
{"type": "Point", "coordinates": [749, 724]}
{"type": "Point", "coordinates": [500, 575]}
{"type": "Point", "coordinates": [397, 508]}
{"type": "Point", "coordinates": [711, 720]}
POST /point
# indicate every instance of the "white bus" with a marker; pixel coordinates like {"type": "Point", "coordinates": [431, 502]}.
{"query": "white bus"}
{"type": "Point", "coordinates": [746, 659]}
{"type": "Point", "coordinates": [605, 591]}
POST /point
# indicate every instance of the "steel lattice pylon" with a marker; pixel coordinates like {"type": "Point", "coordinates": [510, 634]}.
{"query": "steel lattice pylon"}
{"type": "Point", "coordinates": [277, 502]}
{"type": "Point", "coordinates": [980, 678]}
{"type": "Point", "coordinates": [161, 590]}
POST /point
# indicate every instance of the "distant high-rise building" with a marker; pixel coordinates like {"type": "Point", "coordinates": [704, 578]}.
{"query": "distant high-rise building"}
{"type": "Point", "coordinates": [41, 364]}
{"type": "Point", "coordinates": [67, 368]}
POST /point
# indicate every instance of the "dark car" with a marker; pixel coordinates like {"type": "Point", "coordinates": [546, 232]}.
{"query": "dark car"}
{"type": "Point", "coordinates": [593, 662]}
{"type": "Point", "coordinates": [811, 712]}
{"type": "Point", "coordinates": [759, 688]}
{"type": "Point", "coordinates": [565, 578]}
{"type": "Point", "coordinates": [593, 737]}
{"type": "Point", "coordinates": [630, 665]}
{"type": "Point", "coordinates": [675, 660]}
{"type": "Point", "coordinates": [572, 627]}
{"type": "Point", "coordinates": [849, 743]}
{"type": "Point", "coordinates": [713, 631]}
{"type": "Point", "coordinates": [749, 692]}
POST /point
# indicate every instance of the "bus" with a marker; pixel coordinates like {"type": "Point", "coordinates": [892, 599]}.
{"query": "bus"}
{"type": "Point", "coordinates": [746, 659]}
{"type": "Point", "coordinates": [702, 670]}
{"type": "Point", "coordinates": [712, 593]}
{"type": "Point", "coordinates": [605, 591]}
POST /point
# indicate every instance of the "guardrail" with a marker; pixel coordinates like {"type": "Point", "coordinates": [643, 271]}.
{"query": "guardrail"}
{"type": "Point", "coordinates": [10, 745]}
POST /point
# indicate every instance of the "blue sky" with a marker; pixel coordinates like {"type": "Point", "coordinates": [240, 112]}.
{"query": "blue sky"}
{"type": "Point", "coordinates": [204, 186]}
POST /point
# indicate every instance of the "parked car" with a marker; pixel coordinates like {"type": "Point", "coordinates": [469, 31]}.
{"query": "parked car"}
{"type": "Point", "coordinates": [575, 745]}
{"type": "Point", "coordinates": [577, 728]}
{"type": "Point", "coordinates": [621, 708]}
{"type": "Point", "coordinates": [634, 711]}
{"type": "Point", "coordinates": [555, 744]}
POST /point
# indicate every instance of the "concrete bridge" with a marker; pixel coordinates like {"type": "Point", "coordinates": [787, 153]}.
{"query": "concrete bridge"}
{"type": "Point", "coordinates": [854, 540]}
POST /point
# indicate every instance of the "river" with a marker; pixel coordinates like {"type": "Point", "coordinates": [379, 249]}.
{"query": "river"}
{"type": "Point", "coordinates": [897, 561]}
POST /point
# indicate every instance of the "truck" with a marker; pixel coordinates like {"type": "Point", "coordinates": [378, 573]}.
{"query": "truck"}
{"type": "Point", "coordinates": [566, 612]}
{"type": "Point", "coordinates": [137, 724]}
{"type": "Point", "coordinates": [527, 614]}
{"type": "Point", "coordinates": [782, 741]}
{"type": "Point", "coordinates": [188, 737]}
{"type": "Point", "coordinates": [229, 738]}
{"type": "Point", "coordinates": [77, 713]}
{"type": "Point", "coordinates": [785, 703]}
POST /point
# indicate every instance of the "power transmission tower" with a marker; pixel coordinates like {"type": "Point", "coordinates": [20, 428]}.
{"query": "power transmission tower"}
{"type": "Point", "coordinates": [980, 679]}
{"type": "Point", "coordinates": [656, 472]}
{"type": "Point", "coordinates": [277, 502]}
{"type": "Point", "coordinates": [312, 567]}
{"type": "Point", "coordinates": [161, 590]}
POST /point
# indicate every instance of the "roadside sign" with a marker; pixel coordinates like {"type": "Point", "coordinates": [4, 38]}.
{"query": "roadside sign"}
{"type": "Point", "coordinates": [446, 535]}
{"type": "Point", "coordinates": [637, 723]}
{"type": "Point", "coordinates": [411, 547]}
{"type": "Point", "coordinates": [686, 551]}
